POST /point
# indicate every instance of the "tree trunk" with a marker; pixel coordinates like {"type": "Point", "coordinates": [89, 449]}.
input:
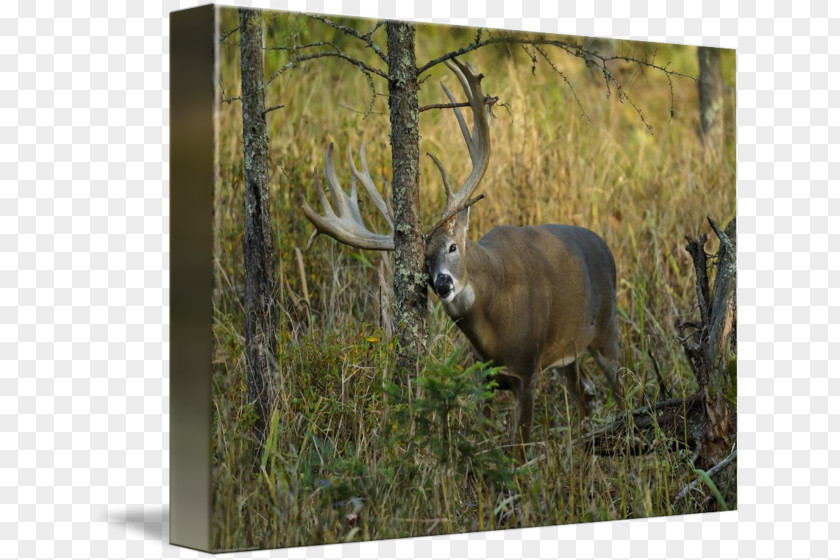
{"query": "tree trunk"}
{"type": "Point", "coordinates": [717, 384]}
{"type": "Point", "coordinates": [710, 89]}
{"type": "Point", "coordinates": [260, 318]}
{"type": "Point", "coordinates": [409, 278]}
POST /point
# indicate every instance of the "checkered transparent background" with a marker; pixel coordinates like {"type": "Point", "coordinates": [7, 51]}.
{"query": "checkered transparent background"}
{"type": "Point", "coordinates": [84, 237]}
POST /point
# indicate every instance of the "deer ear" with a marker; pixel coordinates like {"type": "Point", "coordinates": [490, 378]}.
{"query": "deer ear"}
{"type": "Point", "coordinates": [462, 223]}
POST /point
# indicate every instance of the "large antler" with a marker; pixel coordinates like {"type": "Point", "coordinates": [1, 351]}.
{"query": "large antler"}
{"type": "Point", "coordinates": [478, 142]}
{"type": "Point", "coordinates": [345, 222]}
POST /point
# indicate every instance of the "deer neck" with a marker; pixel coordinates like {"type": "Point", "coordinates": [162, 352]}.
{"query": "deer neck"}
{"type": "Point", "coordinates": [478, 287]}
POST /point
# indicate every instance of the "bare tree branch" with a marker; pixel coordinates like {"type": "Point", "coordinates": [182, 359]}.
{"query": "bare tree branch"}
{"type": "Point", "coordinates": [228, 34]}
{"type": "Point", "coordinates": [272, 108]}
{"type": "Point", "coordinates": [367, 70]}
{"type": "Point", "coordinates": [534, 47]}
{"type": "Point", "coordinates": [565, 79]}
{"type": "Point", "coordinates": [373, 94]}
{"type": "Point", "coordinates": [298, 47]}
{"type": "Point", "coordinates": [444, 106]}
{"type": "Point", "coordinates": [367, 111]}
{"type": "Point", "coordinates": [373, 29]}
{"type": "Point", "coordinates": [336, 53]}
{"type": "Point", "coordinates": [449, 215]}
{"type": "Point", "coordinates": [364, 113]}
{"type": "Point", "coordinates": [533, 58]}
{"type": "Point", "coordinates": [573, 49]}
{"type": "Point", "coordinates": [225, 98]}
{"type": "Point", "coordinates": [710, 473]}
{"type": "Point", "coordinates": [624, 96]}
{"type": "Point", "coordinates": [463, 50]}
{"type": "Point", "coordinates": [489, 101]}
{"type": "Point", "coordinates": [352, 32]}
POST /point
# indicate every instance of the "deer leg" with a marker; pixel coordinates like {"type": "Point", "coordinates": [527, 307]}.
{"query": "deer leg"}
{"type": "Point", "coordinates": [525, 410]}
{"type": "Point", "coordinates": [576, 389]}
{"type": "Point", "coordinates": [606, 356]}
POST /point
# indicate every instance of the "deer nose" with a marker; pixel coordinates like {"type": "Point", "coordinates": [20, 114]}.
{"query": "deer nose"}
{"type": "Point", "coordinates": [443, 285]}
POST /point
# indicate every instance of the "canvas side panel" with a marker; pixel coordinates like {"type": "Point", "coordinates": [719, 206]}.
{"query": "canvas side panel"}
{"type": "Point", "coordinates": [192, 181]}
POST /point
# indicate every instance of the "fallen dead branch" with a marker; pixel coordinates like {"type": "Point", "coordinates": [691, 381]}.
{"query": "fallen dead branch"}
{"type": "Point", "coordinates": [710, 473]}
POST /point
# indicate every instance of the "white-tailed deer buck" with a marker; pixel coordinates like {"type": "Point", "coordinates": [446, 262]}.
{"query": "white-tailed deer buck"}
{"type": "Point", "coordinates": [528, 298]}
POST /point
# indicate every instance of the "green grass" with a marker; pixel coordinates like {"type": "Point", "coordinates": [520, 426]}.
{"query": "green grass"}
{"type": "Point", "coordinates": [350, 457]}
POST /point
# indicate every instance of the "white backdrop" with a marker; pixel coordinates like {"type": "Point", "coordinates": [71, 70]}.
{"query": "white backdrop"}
{"type": "Point", "coordinates": [84, 260]}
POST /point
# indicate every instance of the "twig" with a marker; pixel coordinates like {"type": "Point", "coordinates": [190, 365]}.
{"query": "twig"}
{"type": "Point", "coordinates": [336, 53]}
{"type": "Point", "coordinates": [372, 96]}
{"type": "Point", "coordinates": [272, 108]}
{"type": "Point", "coordinates": [671, 110]}
{"type": "Point", "coordinates": [226, 99]}
{"type": "Point", "coordinates": [463, 50]}
{"type": "Point", "coordinates": [364, 113]}
{"type": "Point", "coordinates": [489, 100]}
{"type": "Point", "coordinates": [373, 29]}
{"type": "Point", "coordinates": [624, 96]}
{"type": "Point", "coordinates": [352, 32]}
{"type": "Point", "coordinates": [565, 79]}
{"type": "Point", "coordinates": [298, 47]}
{"type": "Point", "coordinates": [664, 69]}
{"type": "Point", "coordinates": [533, 58]}
{"type": "Point", "coordinates": [573, 49]}
{"type": "Point", "coordinates": [228, 34]}
{"type": "Point", "coordinates": [711, 472]}
{"type": "Point", "coordinates": [576, 50]}
{"type": "Point", "coordinates": [444, 106]}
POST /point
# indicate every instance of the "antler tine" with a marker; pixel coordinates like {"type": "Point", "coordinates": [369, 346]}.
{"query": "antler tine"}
{"type": "Point", "coordinates": [446, 188]}
{"type": "Point", "coordinates": [344, 222]}
{"type": "Point", "coordinates": [322, 196]}
{"type": "Point", "coordinates": [339, 198]}
{"type": "Point", "coordinates": [461, 122]}
{"type": "Point", "coordinates": [367, 182]}
{"type": "Point", "coordinates": [478, 141]}
{"type": "Point", "coordinates": [353, 202]}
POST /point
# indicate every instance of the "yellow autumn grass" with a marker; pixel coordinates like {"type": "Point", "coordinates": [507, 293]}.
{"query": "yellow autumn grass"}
{"type": "Point", "coordinates": [330, 474]}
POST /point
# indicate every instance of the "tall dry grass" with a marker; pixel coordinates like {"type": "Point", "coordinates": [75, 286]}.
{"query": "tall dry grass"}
{"type": "Point", "coordinates": [346, 459]}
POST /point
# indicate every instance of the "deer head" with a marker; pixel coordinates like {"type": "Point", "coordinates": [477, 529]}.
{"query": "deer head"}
{"type": "Point", "coordinates": [446, 241]}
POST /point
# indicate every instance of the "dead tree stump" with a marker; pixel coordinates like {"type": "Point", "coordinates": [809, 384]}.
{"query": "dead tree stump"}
{"type": "Point", "coordinates": [705, 421]}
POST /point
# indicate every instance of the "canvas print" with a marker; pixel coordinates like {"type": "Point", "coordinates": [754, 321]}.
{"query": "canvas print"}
{"type": "Point", "coordinates": [466, 279]}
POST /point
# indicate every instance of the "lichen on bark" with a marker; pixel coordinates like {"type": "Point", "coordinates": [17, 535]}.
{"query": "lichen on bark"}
{"type": "Point", "coordinates": [258, 247]}
{"type": "Point", "coordinates": [410, 308]}
{"type": "Point", "coordinates": [710, 93]}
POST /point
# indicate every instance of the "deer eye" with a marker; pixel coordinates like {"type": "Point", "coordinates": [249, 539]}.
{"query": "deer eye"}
{"type": "Point", "coordinates": [453, 248]}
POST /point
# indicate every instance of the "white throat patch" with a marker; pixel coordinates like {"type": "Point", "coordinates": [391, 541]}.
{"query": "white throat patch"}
{"type": "Point", "coordinates": [457, 304]}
